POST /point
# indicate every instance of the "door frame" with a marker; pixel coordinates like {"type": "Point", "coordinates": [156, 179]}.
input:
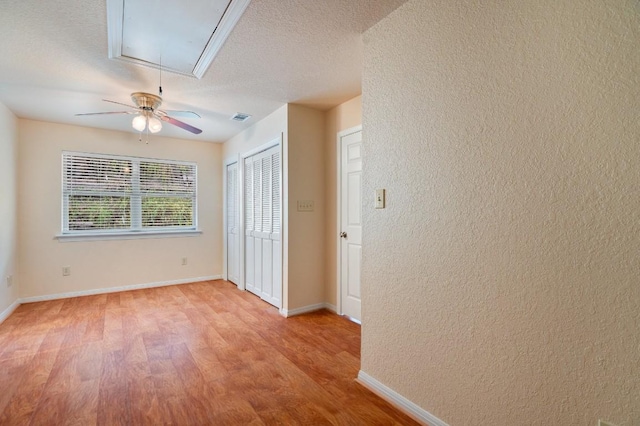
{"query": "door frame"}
{"type": "Point", "coordinates": [241, 157]}
{"type": "Point", "coordinates": [225, 255]}
{"type": "Point", "coordinates": [342, 134]}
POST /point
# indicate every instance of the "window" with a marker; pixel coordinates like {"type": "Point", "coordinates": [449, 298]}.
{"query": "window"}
{"type": "Point", "coordinates": [104, 194]}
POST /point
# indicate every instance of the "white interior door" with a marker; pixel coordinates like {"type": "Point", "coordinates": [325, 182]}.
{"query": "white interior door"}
{"type": "Point", "coordinates": [350, 222]}
{"type": "Point", "coordinates": [233, 242]}
{"type": "Point", "coordinates": [262, 219]}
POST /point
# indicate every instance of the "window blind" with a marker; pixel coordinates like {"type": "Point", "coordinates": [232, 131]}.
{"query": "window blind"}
{"type": "Point", "coordinates": [104, 193]}
{"type": "Point", "coordinates": [168, 194]}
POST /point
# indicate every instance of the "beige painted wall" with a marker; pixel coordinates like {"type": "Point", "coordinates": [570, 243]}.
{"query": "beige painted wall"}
{"type": "Point", "coordinates": [302, 130]}
{"type": "Point", "coordinates": [343, 117]}
{"type": "Point", "coordinates": [306, 229]}
{"type": "Point", "coordinates": [501, 283]}
{"type": "Point", "coordinates": [8, 207]}
{"type": "Point", "coordinates": [264, 131]}
{"type": "Point", "coordinates": [113, 263]}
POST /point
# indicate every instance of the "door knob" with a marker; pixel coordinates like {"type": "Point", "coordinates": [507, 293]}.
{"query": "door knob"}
{"type": "Point", "coordinates": [343, 234]}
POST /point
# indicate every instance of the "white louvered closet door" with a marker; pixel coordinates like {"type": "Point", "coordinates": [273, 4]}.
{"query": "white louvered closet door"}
{"type": "Point", "coordinates": [263, 248]}
{"type": "Point", "coordinates": [233, 241]}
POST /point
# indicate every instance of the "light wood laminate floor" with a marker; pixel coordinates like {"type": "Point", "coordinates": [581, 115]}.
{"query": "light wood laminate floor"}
{"type": "Point", "coordinates": [194, 354]}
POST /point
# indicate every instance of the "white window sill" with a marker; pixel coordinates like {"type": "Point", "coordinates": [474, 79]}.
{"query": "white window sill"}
{"type": "Point", "coordinates": [129, 235]}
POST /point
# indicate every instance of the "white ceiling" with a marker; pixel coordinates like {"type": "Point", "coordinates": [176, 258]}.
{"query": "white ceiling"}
{"type": "Point", "coordinates": [54, 63]}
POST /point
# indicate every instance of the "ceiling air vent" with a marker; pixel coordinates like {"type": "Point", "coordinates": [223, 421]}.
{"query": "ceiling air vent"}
{"type": "Point", "coordinates": [240, 116]}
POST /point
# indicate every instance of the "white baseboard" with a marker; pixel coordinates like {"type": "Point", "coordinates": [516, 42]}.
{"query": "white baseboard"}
{"type": "Point", "coordinates": [306, 309]}
{"type": "Point", "coordinates": [398, 400]}
{"type": "Point", "coordinates": [5, 314]}
{"type": "Point", "coordinates": [331, 307]}
{"type": "Point", "coordinates": [116, 289]}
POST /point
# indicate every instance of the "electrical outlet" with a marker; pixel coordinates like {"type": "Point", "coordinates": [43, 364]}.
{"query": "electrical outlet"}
{"type": "Point", "coordinates": [66, 271]}
{"type": "Point", "coordinates": [305, 205]}
{"type": "Point", "coordinates": [184, 261]}
{"type": "Point", "coordinates": [9, 280]}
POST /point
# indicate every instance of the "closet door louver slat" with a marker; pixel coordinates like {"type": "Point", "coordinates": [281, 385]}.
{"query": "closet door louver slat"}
{"type": "Point", "coordinates": [267, 210]}
{"type": "Point", "coordinates": [248, 196]}
{"type": "Point", "coordinates": [275, 192]}
{"type": "Point", "coordinates": [263, 250]}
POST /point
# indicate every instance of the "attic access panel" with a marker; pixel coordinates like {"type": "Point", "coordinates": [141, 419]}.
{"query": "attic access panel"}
{"type": "Point", "coordinates": [186, 36]}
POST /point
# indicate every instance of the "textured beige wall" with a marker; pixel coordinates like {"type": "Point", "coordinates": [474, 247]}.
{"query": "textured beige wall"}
{"type": "Point", "coordinates": [8, 206]}
{"type": "Point", "coordinates": [264, 131]}
{"type": "Point", "coordinates": [112, 263]}
{"type": "Point", "coordinates": [501, 283]}
{"type": "Point", "coordinates": [342, 117]}
{"type": "Point", "coordinates": [302, 179]}
{"type": "Point", "coordinates": [306, 229]}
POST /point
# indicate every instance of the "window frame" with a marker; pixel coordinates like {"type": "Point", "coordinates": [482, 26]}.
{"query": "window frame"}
{"type": "Point", "coordinates": [135, 230]}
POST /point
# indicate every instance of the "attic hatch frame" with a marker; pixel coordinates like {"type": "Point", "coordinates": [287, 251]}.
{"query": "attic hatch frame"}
{"type": "Point", "coordinates": [230, 17]}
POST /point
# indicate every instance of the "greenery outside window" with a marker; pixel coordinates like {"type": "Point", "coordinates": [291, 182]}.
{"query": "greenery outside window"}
{"type": "Point", "coordinates": [106, 194]}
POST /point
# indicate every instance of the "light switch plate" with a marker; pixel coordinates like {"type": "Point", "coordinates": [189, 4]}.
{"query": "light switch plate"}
{"type": "Point", "coordinates": [380, 202]}
{"type": "Point", "coordinates": [305, 205]}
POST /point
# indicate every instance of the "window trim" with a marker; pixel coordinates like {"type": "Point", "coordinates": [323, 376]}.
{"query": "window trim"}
{"type": "Point", "coordinates": [128, 235]}
{"type": "Point", "coordinates": [131, 233]}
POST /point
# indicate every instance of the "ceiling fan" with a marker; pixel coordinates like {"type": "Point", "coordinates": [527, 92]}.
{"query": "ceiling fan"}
{"type": "Point", "coordinates": [149, 116]}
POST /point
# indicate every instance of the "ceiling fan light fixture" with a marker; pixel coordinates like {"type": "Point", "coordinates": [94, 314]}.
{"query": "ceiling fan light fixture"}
{"type": "Point", "coordinates": [155, 125]}
{"type": "Point", "coordinates": [139, 122]}
{"type": "Point", "coordinates": [149, 116]}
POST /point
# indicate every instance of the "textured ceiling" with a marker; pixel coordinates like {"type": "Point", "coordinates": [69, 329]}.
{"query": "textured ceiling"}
{"type": "Point", "coordinates": [54, 63]}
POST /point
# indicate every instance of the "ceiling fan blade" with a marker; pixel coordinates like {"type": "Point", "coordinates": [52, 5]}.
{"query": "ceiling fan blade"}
{"type": "Point", "coordinates": [184, 114]}
{"type": "Point", "coordinates": [180, 124]}
{"type": "Point", "coordinates": [110, 112]}
{"type": "Point", "coordinates": [120, 103]}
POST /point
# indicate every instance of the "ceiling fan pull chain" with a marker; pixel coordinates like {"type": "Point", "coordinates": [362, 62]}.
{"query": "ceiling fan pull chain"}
{"type": "Point", "coordinates": [160, 88]}
{"type": "Point", "coordinates": [148, 115]}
